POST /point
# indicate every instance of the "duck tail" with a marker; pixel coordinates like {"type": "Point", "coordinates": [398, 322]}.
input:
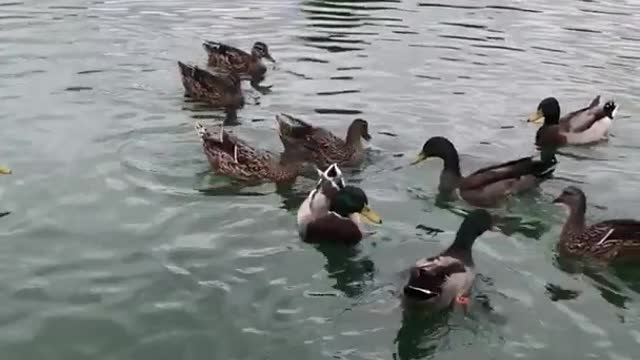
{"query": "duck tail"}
{"type": "Point", "coordinates": [186, 70]}
{"type": "Point", "coordinates": [610, 109]}
{"type": "Point", "coordinates": [220, 141]}
{"type": "Point", "coordinates": [212, 47]}
{"type": "Point", "coordinates": [292, 127]}
{"type": "Point", "coordinates": [203, 132]}
{"type": "Point", "coordinates": [595, 102]}
{"type": "Point", "coordinates": [193, 72]}
{"type": "Point", "coordinates": [332, 177]}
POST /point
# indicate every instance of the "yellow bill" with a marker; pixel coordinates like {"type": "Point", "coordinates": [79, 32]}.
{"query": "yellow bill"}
{"type": "Point", "coordinates": [4, 170]}
{"type": "Point", "coordinates": [536, 118]}
{"type": "Point", "coordinates": [370, 215]}
{"type": "Point", "coordinates": [421, 157]}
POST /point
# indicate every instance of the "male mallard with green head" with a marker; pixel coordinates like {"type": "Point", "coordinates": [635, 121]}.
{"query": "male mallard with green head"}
{"type": "Point", "coordinates": [232, 59]}
{"type": "Point", "coordinates": [585, 126]}
{"type": "Point", "coordinates": [319, 145]}
{"type": "Point", "coordinates": [220, 90]}
{"type": "Point", "coordinates": [230, 156]}
{"type": "Point", "coordinates": [607, 240]}
{"type": "Point", "coordinates": [446, 279]}
{"type": "Point", "coordinates": [489, 186]}
{"type": "Point", "coordinates": [331, 212]}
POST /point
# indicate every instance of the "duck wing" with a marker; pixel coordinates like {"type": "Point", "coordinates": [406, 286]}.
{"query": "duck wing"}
{"type": "Point", "coordinates": [225, 55]}
{"type": "Point", "coordinates": [228, 154]}
{"type": "Point", "coordinates": [511, 170]}
{"type": "Point", "coordinates": [203, 81]}
{"type": "Point", "coordinates": [323, 144]}
{"type": "Point", "coordinates": [585, 119]}
{"type": "Point", "coordinates": [293, 128]}
{"type": "Point", "coordinates": [577, 118]}
{"type": "Point", "coordinates": [611, 238]}
{"type": "Point", "coordinates": [430, 276]}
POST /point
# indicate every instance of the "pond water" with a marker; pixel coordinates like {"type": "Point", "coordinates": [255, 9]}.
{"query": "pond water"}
{"type": "Point", "coordinates": [121, 244]}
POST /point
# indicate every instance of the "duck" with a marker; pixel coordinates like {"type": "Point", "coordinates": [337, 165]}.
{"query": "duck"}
{"type": "Point", "coordinates": [609, 240]}
{"type": "Point", "coordinates": [230, 156]}
{"type": "Point", "coordinates": [581, 127]}
{"type": "Point", "coordinates": [489, 186]}
{"type": "Point", "coordinates": [220, 89]}
{"type": "Point", "coordinates": [332, 211]}
{"type": "Point", "coordinates": [441, 281]}
{"type": "Point", "coordinates": [319, 145]}
{"type": "Point", "coordinates": [232, 59]}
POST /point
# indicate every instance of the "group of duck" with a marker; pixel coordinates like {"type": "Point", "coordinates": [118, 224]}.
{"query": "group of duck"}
{"type": "Point", "coordinates": [333, 210]}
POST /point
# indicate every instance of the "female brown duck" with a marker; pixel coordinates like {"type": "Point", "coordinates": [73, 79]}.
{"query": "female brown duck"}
{"type": "Point", "coordinates": [220, 90]}
{"type": "Point", "coordinates": [234, 60]}
{"type": "Point", "coordinates": [319, 145]}
{"type": "Point", "coordinates": [491, 185]}
{"type": "Point", "coordinates": [607, 240]}
{"type": "Point", "coordinates": [230, 156]}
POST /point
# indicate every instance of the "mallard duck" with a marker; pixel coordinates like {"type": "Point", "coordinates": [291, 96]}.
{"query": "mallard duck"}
{"type": "Point", "coordinates": [232, 59]}
{"type": "Point", "coordinates": [317, 203]}
{"type": "Point", "coordinates": [488, 186]}
{"type": "Point", "coordinates": [331, 212]}
{"type": "Point", "coordinates": [220, 90]}
{"type": "Point", "coordinates": [445, 279]}
{"type": "Point", "coordinates": [319, 145]}
{"type": "Point", "coordinates": [607, 240]}
{"type": "Point", "coordinates": [230, 156]}
{"type": "Point", "coordinates": [585, 126]}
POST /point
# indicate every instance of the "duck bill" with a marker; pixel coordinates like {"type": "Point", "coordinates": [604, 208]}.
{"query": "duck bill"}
{"type": "Point", "coordinates": [421, 157]}
{"type": "Point", "coordinates": [4, 171]}
{"type": "Point", "coordinates": [370, 215]}
{"type": "Point", "coordinates": [536, 118]}
{"type": "Point", "coordinates": [270, 58]}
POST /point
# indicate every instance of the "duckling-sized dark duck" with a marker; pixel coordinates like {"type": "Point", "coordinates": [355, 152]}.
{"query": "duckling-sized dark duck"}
{"type": "Point", "coordinates": [581, 127]}
{"type": "Point", "coordinates": [489, 186]}
{"type": "Point", "coordinates": [608, 240]}
{"type": "Point", "coordinates": [446, 279]}
{"type": "Point", "coordinates": [220, 89]}
{"type": "Point", "coordinates": [232, 157]}
{"type": "Point", "coordinates": [319, 145]}
{"type": "Point", "coordinates": [331, 213]}
{"type": "Point", "coordinates": [232, 59]}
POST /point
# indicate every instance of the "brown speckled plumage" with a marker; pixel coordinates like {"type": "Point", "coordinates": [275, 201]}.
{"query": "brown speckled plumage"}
{"type": "Point", "coordinates": [221, 90]}
{"type": "Point", "coordinates": [320, 145]}
{"type": "Point", "coordinates": [233, 157]}
{"type": "Point", "coordinates": [607, 240]}
{"type": "Point", "coordinates": [229, 58]}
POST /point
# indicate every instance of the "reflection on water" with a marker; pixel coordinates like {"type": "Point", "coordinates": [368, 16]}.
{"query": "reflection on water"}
{"type": "Point", "coordinates": [420, 333]}
{"type": "Point", "coordinates": [601, 277]}
{"type": "Point", "coordinates": [351, 271]}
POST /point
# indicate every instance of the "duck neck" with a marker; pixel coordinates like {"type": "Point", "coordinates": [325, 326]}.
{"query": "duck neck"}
{"type": "Point", "coordinates": [575, 224]}
{"type": "Point", "coordinates": [461, 247]}
{"type": "Point", "coordinates": [354, 137]}
{"type": "Point", "coordinates": [450, 176]}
